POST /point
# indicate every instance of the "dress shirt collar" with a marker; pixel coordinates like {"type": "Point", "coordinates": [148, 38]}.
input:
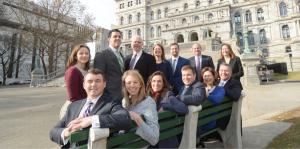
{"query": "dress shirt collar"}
{"type": "Point", "coordinates": [138, 54]}
{"type": "Point", "coordinates": [113, 49]}
{"type": "Point", "coordinates": [94, 101]}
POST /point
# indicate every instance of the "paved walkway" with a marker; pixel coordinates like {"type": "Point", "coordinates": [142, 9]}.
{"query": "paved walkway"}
{"type": "Point", "coordinates": [27, 114]}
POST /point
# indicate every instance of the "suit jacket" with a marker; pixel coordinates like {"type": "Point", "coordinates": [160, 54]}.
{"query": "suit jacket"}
{"type": "Point", "coordinates": [107, 61]}
{"type": "Point", "coordinates": [233, 90]}
{"type": "Point", "coordinates": [111, 115]}
{"type": "Point", "coordinates": [236, 65]}
{"type": "Point", "coordinates": [177, 76]}
{"type": "Point", "coordinates": [194, 95]}
{"type": "Point", "coordinates": [146, 65]}
{"type": "Point", "coordinates": [205, 62]}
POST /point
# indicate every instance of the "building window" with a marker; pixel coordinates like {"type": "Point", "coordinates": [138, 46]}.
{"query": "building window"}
{"type": "Point", "coordinates": [262, 36]}
{"type": "Point", "coordinates": [121, 21]}
{"type": "Point", "coordinates": [237, 18]}
{"type": "Point", "coordinates": [129, 34]}
{"type": "Point", "coordinates": [197, 3]}
{"type": "Point", "coordinates": [158, 14]}
{"type": "Point", "coordinates": [152, 15]}
{"type": "Point", "coordinates": [260, 14]}
{"type": "Point", "coordinates": [138, 32]}
{"type": "Point", "coordinates": [138, 17]}
{"type": "Point", "coordinates": [194, 36]}
{"type": "Point", "coordinates": [180, 39]}
{"type": "Point", "coordinates": [183, 21]}
{"type": "Point", "coordinates": [185, 6]}
{"type": "Point", "coordinates": [282, 9]}
{"type": "Point", "coordinates": [129, 19]}
{"type": "Point", "coordinates": [298, 3]}
{"type": "Point", "coordinates": [152, 32]}
{"type": "Point", "coordinates": [285, 31]}
{"type": "Point", "coordinates": [240, 40]}
{"type": "Point", "coordinates": [251, 38]}
{"type": "Point", "coordinates": [210, 16]}
{"type": "Point", "coordinates": [265, 52]}
{"type": "Point", "coordinates": [166, 11]}
{"type": "Point", "coordinates": [158, 31]}
{"type": "Point", "coordinates": [167, 26]}
{"type": "Point", "coordinates": [248, 16]}
{"type": "Point", "coordinates": [210, 1]}
{"type": "Point", "coordinates": [196, 18]}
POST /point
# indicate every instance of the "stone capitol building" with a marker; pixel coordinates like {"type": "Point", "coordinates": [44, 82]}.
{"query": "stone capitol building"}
{"type": "Point", "coordinates": [271, 27]}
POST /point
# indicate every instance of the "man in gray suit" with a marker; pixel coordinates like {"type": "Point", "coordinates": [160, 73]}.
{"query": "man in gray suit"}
{"type": "Point", "coordinates": [199, 61]}
{"type": "Point", "coordinates": [111, 62]}
{"type": "Point", "coordinates": [98, 110]}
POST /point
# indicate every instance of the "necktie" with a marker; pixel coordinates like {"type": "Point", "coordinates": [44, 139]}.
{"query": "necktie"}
{"type": "Point", "coordinates": [120, 60]}
{"type": "Point", "coordinates": [174, 65]}
{"type": "Point", "coordinates": [132, 61]}
{"type": "Point", "coordinates": [198, 65]}
{"type": "Point", "coordinates": [184, 90]}
{"type": "Point", "coordinates": [88, 109]}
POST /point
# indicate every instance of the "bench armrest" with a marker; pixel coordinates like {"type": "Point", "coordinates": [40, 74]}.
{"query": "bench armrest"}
{"type": "Point", "coordinates": [97, 138]}
{"type": "Point", "coordinates": [188, 139]}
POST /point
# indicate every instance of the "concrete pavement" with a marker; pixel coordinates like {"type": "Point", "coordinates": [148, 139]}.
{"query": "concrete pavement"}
{"type": "Point", "coordinates": [27, 114]}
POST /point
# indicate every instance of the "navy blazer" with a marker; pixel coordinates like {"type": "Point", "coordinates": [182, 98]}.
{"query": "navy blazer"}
{"type": "Point", "coordinates": [146, 65]}
{"type": "Point", "coordinates": [111, 115]}
{"type": "Point", "coordinates": [177, 76]}
{"type": "Point", "coordinates": [206, 61]}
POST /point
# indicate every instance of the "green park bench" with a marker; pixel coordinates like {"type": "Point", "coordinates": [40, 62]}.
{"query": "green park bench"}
{"type": "Point", "coordinates": [171, 125]}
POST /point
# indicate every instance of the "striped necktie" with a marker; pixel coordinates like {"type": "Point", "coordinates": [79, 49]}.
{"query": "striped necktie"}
{"type": "Point", "coordinates": [88, 109]}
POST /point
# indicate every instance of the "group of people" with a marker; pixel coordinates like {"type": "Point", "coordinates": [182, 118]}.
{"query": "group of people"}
{"type": "Point", "coordinates": [119, 90]}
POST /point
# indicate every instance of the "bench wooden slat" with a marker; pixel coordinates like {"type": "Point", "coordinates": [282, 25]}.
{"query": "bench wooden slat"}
{"type": "Point", "coordinates": [210, 118]}
{"type": "Point", "coordinates": [171, 123]}
{"type": "Point", "coordinates": [214, 110]}
{"type": "Point", "coordinates": [80, 135]}
{"type": "Point", "coordinates": [207, 103]}
{"type": "Point", "coordinates": [122, 138]}
{"type": "Point", "coordinates": [170, 133]}
{"type": "Point", "coordinates": [85, 146]}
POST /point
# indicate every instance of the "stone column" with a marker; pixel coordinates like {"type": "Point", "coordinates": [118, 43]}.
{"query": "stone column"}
{"type": "Point", "coordinates": [37, 73]}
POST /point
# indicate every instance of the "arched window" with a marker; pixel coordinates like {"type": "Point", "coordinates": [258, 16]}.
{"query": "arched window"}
{"type": "Point", "coordinates": [158, 14]}
{"type": "Point", "coordinates": [197, 3]}
{"type": "Point", "coordinates": [166, 11]}
{"type": "Point", "coordinates": [262, 36]}
{"type": "Point", "coordinates": [248, 16]}
{"type": "Point", "coordinates": [152, 15]}
{"type": "Point", "coordinates": [129, 19]}
{"type": "Point", "coordinates": [152, 32]}
{"type": "Point", "coordinates": [167, 26]}
{"type": "Point", "coordinates": [138, 17]}
{"type": "Point", "coordinates": [196, 18]}
{"type": "Point", "coordinates": [210, 1]}
{"type": "Point", "coordinates": [210, 16]}
{"type": "Point", "coordinates": [129, 34]}
{"type": "Point", "coordinates": [260, 14]}
{"type": "Point", "coordinates": [194, 36]}
{"type": "Point", "coordinates": [183, 21]}
{"type": "Point", "coordinates": [237, 18]}
{"type": "Point", "coordinates": [121, 20]}
{"type": "Point", "coordinates": [282, 9]}
{"type": "Point", "coordinates": [158, 31]}
{"type": "Point", "coordinates": [240, 39]}
{"type": "Point", "coordinates": [251, 38]}
{"type": "Point", "coordinates": [138, 32]}
{"type": "Point", "coordinates": [285, 31]}
{"type": "Point", "coordinates": [180, 39]}
{"type": "Point", "coordinates": [185, 6]}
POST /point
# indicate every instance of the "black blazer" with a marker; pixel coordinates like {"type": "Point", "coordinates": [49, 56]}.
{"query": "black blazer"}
{"type": "Point", "coordinates": [107, 61]}
{"type": "Point", "coordinates": [205, 62]}
{"type": "Point", "coordinates": [146, 65]}
{"type": "Point", "coordinates": [233, 90]}
{"type": "Point", "coordinates": [236, 65]}
{"type": "Point", "coordinates": [111, 115]}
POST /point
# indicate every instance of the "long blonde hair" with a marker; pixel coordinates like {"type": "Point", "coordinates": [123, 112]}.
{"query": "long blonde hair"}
{"type": "Point", "coordinates": [142, 93]}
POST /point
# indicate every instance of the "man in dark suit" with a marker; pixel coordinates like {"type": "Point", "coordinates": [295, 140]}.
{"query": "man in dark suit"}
{"type": "Point", "coordinates": [111, 62]}
{"type": "Point", "coordinates": [177, 63]}
{"type": "Point", "coordinates": [98, 110]}
{"type": "Point", "coordinates": [139, 60]}
{"type": "Point", "coordinates": [232, 87]}
{"type": "Point", "coordinates": [200, 61]}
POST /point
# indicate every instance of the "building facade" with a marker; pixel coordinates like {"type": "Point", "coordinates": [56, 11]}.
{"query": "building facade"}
{"type": "Point", "coordinates": [272, 26]}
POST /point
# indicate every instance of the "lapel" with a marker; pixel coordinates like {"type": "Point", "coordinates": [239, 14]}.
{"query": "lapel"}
{"type": "Point", "coordinates": [100, 103]}
{"type": "Point", "coordinates": [178, 64]}
{"type": "Point", "coordinates": [80, 107]}
{"type": "Point", "coordinates": [192, 61]}
{"type": "Point", "coordinates": [139, 60]}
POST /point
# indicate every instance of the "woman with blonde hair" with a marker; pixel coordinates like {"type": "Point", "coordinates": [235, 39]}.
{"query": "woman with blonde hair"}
{"type": "Point", "coordinates": [140, 105]}
{"type": "Point", "coordinates": [77, 66]}
{"type": "Point", "coordinates": [228, 57]}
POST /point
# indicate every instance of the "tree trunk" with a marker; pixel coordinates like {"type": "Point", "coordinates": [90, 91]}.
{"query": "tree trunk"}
{"type": "Point", "coordinates": [12, 56]}
{"type": "Point", "coordinates": [34, 54]}
{"type": "Point", "coordinates": [51, 58]}
{"type": "Point", "coordinates": [18, 56]}
{"type": "Point", "coordinates": [3, 72]}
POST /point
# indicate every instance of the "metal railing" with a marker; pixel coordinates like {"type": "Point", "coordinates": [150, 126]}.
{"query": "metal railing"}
{"type": "Point", "coordinates": [43, 80]}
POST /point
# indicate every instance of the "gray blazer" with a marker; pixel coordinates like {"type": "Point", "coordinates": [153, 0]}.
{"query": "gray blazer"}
{"type": "Point", "coordinates": [107, 61]}
{"type": "Point", "coordinates": [149, 130]}
{"type": "Point", "coordinates": [111, 115]}
{"type": "Point", "coordinates": [195, 94]}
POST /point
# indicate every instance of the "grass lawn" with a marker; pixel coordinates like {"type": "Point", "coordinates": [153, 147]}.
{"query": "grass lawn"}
{"type": "Point", "coordinates": [291, 76]}
{"type": "Point", "coordinates": [291, 137]}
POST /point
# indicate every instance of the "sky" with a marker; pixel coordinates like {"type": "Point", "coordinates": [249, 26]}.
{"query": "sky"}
{"type": "Point", "coordinates": [102, 10]}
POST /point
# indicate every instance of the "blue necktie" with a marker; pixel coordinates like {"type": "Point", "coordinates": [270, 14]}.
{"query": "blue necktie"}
{"type": "Point", "coordinates": [88, 109]}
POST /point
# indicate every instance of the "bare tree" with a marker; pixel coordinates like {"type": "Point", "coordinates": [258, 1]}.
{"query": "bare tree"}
{"type": "Point", "coordinates": [54, 24]}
